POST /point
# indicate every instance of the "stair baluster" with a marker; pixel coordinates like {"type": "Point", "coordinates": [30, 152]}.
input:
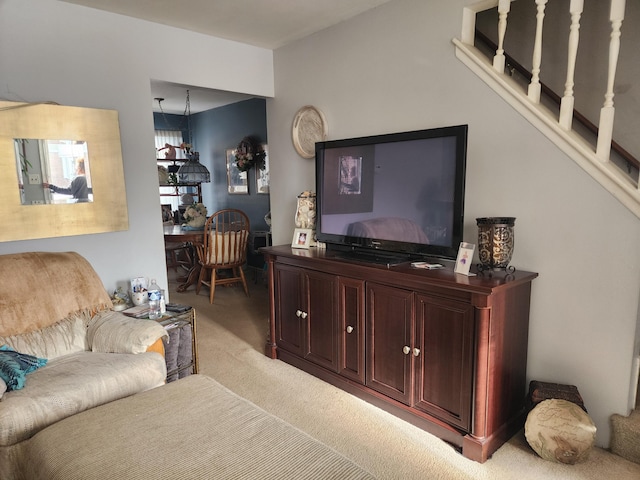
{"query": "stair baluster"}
{"type": "Point", "coordinates": [503, 10]}
{"type": "Point", "coordinates": [566, 105]}
{"type": "Point", "coordinates": [534, 86]}
{"type": "Point", "coordinates": [607, 112]}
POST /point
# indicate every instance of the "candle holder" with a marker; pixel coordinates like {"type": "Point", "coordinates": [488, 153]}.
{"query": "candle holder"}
{"type": "Point", "coordinates": [495, 243]}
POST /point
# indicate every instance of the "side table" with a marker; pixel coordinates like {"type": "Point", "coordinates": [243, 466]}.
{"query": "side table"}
{"type": "Point", "coordinates": [181, 348]}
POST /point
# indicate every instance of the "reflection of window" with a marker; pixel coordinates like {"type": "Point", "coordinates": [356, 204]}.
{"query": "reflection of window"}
{"type": "Point", "coordinates": [174, 138]}
{"type": "Point", "coordinates": [64, 158]}
{"type": "Point", "coordinates": [53, 171]}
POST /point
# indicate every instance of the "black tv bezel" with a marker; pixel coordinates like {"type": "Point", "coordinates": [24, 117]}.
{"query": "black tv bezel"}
{"type": "Point", "coordinates": [411, 251]}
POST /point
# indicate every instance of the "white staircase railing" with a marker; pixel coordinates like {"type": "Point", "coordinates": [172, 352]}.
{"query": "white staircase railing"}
{"type": "Point", "coordinates": [556, 126]}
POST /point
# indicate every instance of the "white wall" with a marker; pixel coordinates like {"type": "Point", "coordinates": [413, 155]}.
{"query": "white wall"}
{"type": "Point", "coordinates": [73, 55]}
{"type": "Point", "coordinates": [393, 69]}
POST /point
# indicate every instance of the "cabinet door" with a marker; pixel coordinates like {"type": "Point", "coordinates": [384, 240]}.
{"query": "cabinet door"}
{"type": "Point", "coordinates": [444, 367]}
{"type": "Point", "coordinates": [289, 286]}
{"type": "Point", "coordinates": [351, 329]}
{"type": "Point", "coordinates": [389, 341]}
{"type": "Point", "coordinates": [321, 338]}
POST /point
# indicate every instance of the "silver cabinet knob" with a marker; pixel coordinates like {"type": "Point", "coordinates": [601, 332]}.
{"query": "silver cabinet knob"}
{"type": "Point", "coordinates": [416, 352]}
{"type": "Point", "coordinates": [304, 315]}
{"type": "Point", "coordinates": [349, 329]}
{"type": "Point", "coordinates": [406, 350]}
{"type": "Point", "coordinates": [298, 313]}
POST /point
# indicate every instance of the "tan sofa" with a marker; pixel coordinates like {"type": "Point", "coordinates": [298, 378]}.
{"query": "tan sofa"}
{"type": "Point", "coordinates": [54, 306]}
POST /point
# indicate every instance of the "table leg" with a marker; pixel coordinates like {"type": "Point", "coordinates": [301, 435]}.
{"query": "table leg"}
{"type": "Point", "coordinates": [191, 279]}
{"type": "Point", "coordinates": [194, 271]}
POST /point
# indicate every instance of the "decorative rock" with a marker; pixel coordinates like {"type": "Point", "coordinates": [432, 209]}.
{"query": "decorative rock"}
{"type": "Point", "coordinates": [560, 431]}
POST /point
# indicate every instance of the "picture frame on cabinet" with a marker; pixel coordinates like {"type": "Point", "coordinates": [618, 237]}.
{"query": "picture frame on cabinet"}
{"type": "Point", "coordinates": [237, 183]}
{"type": "Point", "coordinates": [464, 259]}
{"type": "Point", "coordinates": [302, 238]}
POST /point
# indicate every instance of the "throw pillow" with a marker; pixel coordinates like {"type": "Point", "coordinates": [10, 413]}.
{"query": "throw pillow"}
{"type": "Point", "coordinates": [560, 431]}
{"type": "Point", "coordinates": [114, 332]}
{"type": "Point", "coordinates": [14, 366]}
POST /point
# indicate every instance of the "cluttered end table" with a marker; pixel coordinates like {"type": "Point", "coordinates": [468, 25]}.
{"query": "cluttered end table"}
{"type": "Point", "coordinates": [180, 234]}
{"type": "Point", "coordinates": [181, 348]}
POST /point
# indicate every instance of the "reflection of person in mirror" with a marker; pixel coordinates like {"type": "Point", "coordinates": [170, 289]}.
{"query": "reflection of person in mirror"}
{"type": "Point", "coordinates": [78, 188]}
{"type": "Point", "coordinates": [170, 153]}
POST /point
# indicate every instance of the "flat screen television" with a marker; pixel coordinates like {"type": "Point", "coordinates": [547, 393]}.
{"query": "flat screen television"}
{"type": "Point", "coordinates": [397, 196]}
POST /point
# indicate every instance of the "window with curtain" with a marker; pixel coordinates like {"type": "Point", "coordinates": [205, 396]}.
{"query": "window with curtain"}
{"type": "Point", "coordinates": [171, 137]}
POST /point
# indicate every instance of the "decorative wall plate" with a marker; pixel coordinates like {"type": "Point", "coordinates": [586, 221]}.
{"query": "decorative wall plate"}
{"type": "Point", "coordinates": [309, 127]}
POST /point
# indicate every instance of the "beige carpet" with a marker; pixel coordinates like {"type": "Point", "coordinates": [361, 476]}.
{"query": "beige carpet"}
{"type": "Point", "coordinates": [231, 337]}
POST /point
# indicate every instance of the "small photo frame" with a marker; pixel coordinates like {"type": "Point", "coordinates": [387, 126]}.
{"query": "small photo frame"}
{"type": "Point", "coordinates": [464, 259]}
{"type": "Point", "coordinates": [302, 238]}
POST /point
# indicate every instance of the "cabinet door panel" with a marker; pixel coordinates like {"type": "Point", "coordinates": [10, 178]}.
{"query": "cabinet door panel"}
{"type": "Point", "coordinates": [444, 333]}
{"type": "Point", "coordinates": [288, 298]}
{"type": "Point", "coordinates": [351, 329]}
{"type": "Point", "coordinates": [389, 331]}
{"type": "Point", "coordinates": [321, 339]}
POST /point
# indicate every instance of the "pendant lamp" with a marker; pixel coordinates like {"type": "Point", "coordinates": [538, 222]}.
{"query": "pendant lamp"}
{"type": "Point", "coordinates": [192, 171]}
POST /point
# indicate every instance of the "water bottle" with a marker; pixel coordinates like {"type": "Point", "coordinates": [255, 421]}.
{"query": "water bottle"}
{"type": "Point", "coordinates": [155, 297]}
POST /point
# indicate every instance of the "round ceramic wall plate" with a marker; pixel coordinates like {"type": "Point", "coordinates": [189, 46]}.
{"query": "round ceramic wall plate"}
{"type": "Point", "coordinates": [309, 127]}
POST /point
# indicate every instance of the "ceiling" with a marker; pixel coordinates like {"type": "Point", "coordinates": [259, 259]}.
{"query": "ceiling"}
{"type": "Point", "coordinates": [263, 23]}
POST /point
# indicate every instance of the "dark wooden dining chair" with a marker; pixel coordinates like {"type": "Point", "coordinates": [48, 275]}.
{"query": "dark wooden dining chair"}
{"type": "Point", "coordinates": [226, 238]}
{"type": "Point", "coordinates": [178, 255]}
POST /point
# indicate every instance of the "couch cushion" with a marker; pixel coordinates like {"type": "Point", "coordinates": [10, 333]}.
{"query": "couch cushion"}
{"type": "Point", "coordinates": [190, 429]}
{"type": "Point", "coordinates": [65, 337]}
{"type": "Point", "coordinates": [74, 383]}
{"type": "Point", "coordinates": [14, 366]}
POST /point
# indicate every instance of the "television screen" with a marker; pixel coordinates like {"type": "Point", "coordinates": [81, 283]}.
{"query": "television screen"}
{"type": "Point", "coordinates": [400, 193]}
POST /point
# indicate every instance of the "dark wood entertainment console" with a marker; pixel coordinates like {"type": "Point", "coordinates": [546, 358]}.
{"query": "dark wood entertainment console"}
{"type": "Point", "coordinates": [443, 351]}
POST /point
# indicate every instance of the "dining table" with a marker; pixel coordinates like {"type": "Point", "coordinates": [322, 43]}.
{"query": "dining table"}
{"type": "Point", "coordinates": [191, 238]}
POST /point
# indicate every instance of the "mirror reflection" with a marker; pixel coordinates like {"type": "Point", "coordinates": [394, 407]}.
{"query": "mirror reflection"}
{"type": "Point", "coordinates": [53, 171]}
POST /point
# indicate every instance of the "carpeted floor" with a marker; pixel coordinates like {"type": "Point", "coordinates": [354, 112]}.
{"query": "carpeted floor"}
{"type": "Point", "coordinates": [231, 337]}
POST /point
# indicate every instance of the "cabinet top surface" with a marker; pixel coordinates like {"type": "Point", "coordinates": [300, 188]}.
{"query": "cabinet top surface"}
{"type": "Point", "coordinates": [327, 260]}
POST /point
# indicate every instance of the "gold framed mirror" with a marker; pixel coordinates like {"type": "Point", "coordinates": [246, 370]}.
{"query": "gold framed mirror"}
{"type": "Point", "coordinates": [99, 130]}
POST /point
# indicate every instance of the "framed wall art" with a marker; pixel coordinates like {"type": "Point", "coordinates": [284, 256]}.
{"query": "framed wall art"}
{"type": "Point", "coordinates": [262, 174]}
{"type": "Point", "coordinates": [236, 179]}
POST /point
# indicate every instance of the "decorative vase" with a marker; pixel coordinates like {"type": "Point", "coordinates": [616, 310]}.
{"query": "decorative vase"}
{"type": "Point", "coordinates": [306, 210]}
{"type": "Point", "coordinates": [495, 243]}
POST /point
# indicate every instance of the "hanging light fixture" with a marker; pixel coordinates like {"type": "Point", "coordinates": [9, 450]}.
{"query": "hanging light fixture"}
{"type": "Point", "coordinates": [192, 171]}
